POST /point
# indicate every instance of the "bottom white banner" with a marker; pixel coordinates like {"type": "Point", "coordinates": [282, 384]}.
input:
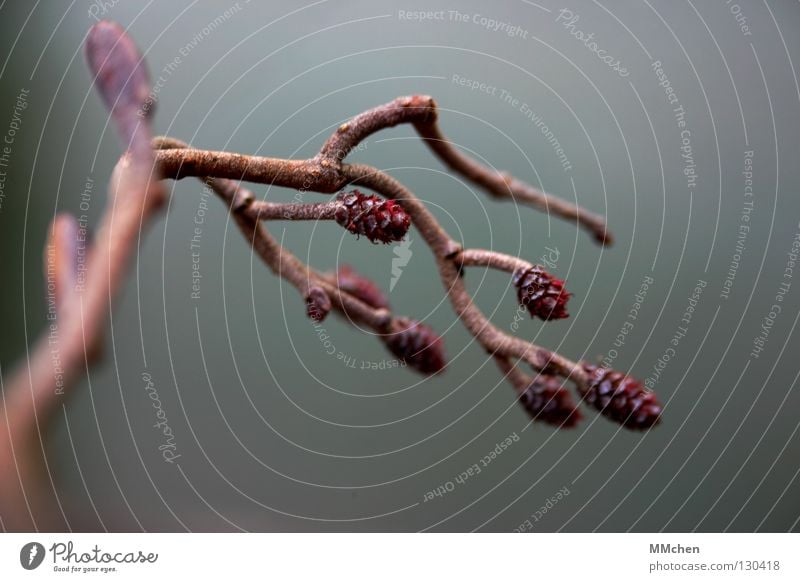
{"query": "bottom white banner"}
{"type": "Point", "coordinates": [400, 556]}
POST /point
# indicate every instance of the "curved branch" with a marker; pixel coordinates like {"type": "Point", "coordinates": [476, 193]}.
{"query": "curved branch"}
{"type": "Point", "coordinates": [135, 194]}
{"type": "Point", "coordinates": [421, 111]}
{"type": "Point", "coordinates": [491, 259]}
{"type": "Point", "coordinates": [503, 185]}
{"type": "Point", "coordinates": [516, 377]}
{"type": "Point", "coordinates": [247, 213]}
{"type": "Point", "coordinates": [297, 174]}
{"type": "Point", "coordinates": [446, 253]}
{"type": "Point", "coordinates": [61, 356]}
{"type": "Point", "coordinates": [320, 174]}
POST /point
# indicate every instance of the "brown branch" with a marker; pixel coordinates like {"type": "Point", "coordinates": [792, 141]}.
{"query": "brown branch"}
{"type": "Point", "coordinates": [441, 244]}
{"type": "Point", "coordinates": [62, 355]}
{"type": "Point", "coordinates": [447, 253]}
{"type": "Point", "coordinates": [61, 260]}
{"type": "Point", "coordinates": [492, 259]}
{"type": "Point", "coordinates": [286, 265]}
{"type": "Point", "coordinates": [298, 174]}
{"type": "Point", "coordinates": [421, 111]}
{"type": "Point", "coordinates": [516, 377]}
{"type": "Point", "coordinates": [504, 186]}
{"type": "Point", "coordinates": [262, 210]}
{"type": "Point", "coordinates": [320, 174]}
{"type": "Point", "coordinates": [247, 213]}
{"type": "Point", "coordinates": [135, 194]}
{"type": "Point", "coordinates": [418, 110]}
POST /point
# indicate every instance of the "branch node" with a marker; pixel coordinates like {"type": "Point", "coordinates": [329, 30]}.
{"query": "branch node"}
{"type": "Point", "coordinates": [242, 200]}
{"type": "Point", "coordinates": [452, 250]}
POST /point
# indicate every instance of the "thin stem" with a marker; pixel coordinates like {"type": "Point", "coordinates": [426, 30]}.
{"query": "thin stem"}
{"type": "Point", "coordinates": [297, 174]}
{"type": "Point", "coordinates": [321, 174]}
{"type": "Point", "coordinates": [412, 109]}
{"type": "Point", "coordinates": [421, 111]}
{"type": "Point", "coordinates": [504, 186]}
{"type": "Point", "coordinates": [261, 210]}
{"type": "Point", "coordinates": [491, 259]}
{"type": "Point", "coordinates": [247, 213]}
{"type": "Point", "coordinates": [516, 377]}
{"type": "Point", "coordinates": [135, 195]}
{"type": "Point", "coordinates": [447, 254]}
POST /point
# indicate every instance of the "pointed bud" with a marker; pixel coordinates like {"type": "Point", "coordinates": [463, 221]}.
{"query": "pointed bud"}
{"type": "Point", "coordinates": [121, 79]}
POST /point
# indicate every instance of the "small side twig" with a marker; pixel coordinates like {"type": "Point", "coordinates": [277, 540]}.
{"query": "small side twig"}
{"type": "Point", "coordinates": [28, 498]}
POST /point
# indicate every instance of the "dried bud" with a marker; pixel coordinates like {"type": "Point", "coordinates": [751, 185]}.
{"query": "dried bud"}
{"type": "Point", "coordinates": [548, 401]}
{"type": "Point", "coordinates": [541, 293]}
{"type": "Point", "coordinates": [360, 287]}
{"type": "Point", "coordinates": [318, 304]}
{"type": "Point", "coordinates": [416, 344]}
{"type": "Point", "coordinates": [121, 79]}
{"type": "Point", "coordinates": [621, 398]}
{"type": "Point", "coordinates": [370, 215]}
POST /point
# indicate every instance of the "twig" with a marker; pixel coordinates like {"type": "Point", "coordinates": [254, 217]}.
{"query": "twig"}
{"type": "Point", "coordinates": [63, 354]}
{"type": "Point", "coordinates": [135, 194]}
{"type": "Point", "coordinates": [283, 263]}
{"type": "Point", "coordinates": [320, 174]}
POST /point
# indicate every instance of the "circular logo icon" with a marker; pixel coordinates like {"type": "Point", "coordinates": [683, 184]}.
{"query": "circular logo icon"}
{"type": "Point", "coordinates": [31, 555]}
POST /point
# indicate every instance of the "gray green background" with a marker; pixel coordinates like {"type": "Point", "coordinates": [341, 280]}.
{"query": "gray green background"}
{"type": "Point", "coordinates": [274, 433]}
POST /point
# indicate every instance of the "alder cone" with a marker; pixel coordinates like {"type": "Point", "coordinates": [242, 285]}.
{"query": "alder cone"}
{"type": "Point", "coordinates": [417, 345]}
{"type": "Point", "coordinates": [542, 294]}
{"type": "Point", "coordinates": [546, 400]}
{"type": "Point", "coordinates": [372, 216]}
{"type": "Point", "coordinates": [350, 281]}
{"type": "Point", "coordinates": [621, 398]}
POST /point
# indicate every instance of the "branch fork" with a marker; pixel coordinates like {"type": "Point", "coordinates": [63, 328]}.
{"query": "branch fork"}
{"type": "Point", "coordinates": [28, 500]}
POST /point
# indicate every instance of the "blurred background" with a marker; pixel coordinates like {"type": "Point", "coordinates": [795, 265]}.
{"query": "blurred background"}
{"type": "Point", "coordinates": [679, 121]}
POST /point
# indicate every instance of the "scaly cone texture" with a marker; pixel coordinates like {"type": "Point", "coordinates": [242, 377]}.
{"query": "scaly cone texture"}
{"type": "Point", "coordinates": [546, 400]}
{"type": "Point", "coordinates": [621, 398]}
{"type": "Point", "coordinates": [372, 216]}
{"type": "Point", "coordinates": [350, 281]}
{"type": "Point", "coordinates": [417, 345]}
{"type": "Point", "coordinates": [541, 293]}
